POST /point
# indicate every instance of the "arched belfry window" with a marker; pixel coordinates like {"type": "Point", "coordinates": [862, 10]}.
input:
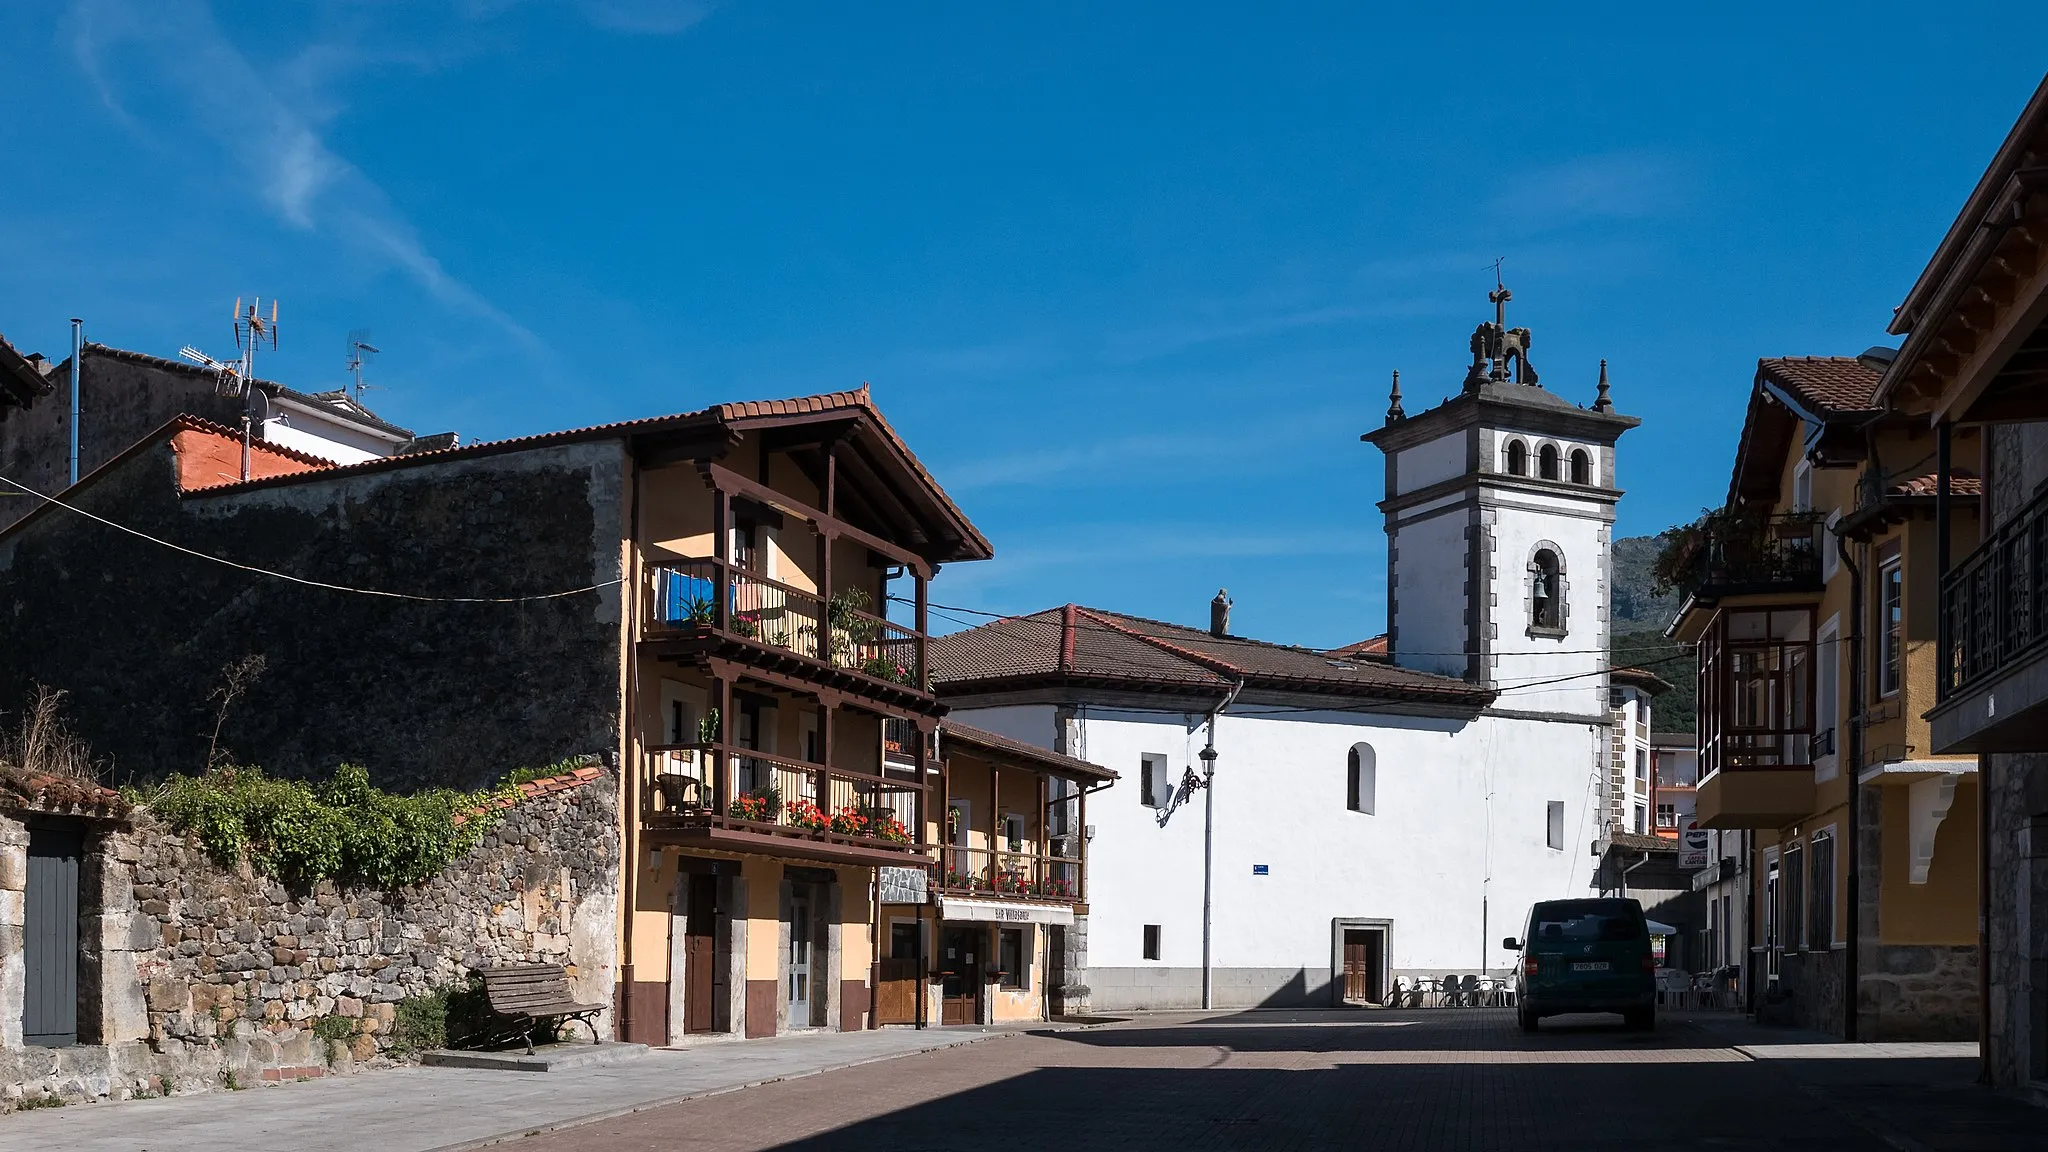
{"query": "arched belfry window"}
{"type": "Point", "coordinates": [1546, 591]}
{"type": "Point", "coordinates": [1361, 780]}
{"type": "Point", "coordinates": [1518, 458]}
{"type": "Point", "coordinates": [1582, 467]}
{"type": "Point", "coordinates": [1546, 462]}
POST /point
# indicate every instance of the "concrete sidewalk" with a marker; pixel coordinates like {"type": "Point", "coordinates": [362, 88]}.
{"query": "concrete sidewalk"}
{"type": "Point", "coordinates": [1912, 1096]}
{"type": "Point", "coordinates": [442, 1109]}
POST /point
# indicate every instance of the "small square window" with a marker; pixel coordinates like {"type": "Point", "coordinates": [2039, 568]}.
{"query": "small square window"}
{"type": "Point", "coordinates": [1154, 787]}
{"type": "Point", "coordinates": [1553, 824]}
{"type": "Point", "coordinates": [1151, 941]}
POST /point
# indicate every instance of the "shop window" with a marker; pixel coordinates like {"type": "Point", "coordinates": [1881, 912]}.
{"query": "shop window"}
{"type": "Point", "coordinates": [1011, 958]}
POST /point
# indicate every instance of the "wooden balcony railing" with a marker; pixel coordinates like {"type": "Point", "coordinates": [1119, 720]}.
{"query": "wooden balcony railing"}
{"type": "Point", "coordinates": [720, 597]}
{"type": "Point", "coordinates": [744, 789]}
{"type": "Point", "coordinates": [1023, 874]}
{"type": "Point", "coordinates": [1995, 602]}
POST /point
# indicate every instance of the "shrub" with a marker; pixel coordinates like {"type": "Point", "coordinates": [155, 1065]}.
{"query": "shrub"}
{"type": "Point", "coordinates": [345, 829]}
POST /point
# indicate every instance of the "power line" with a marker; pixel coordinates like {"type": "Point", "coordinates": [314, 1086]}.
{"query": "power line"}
{"type": "Point", "coordinates": [286, 576]}
{"type": "Point", "coordinates": [946, 610]}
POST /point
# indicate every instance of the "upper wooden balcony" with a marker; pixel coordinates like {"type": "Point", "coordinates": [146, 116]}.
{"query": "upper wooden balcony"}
{"type": "Point", "coordinates": [1746, 557]}
{"type": "Point", "coordinates": [722, 608]}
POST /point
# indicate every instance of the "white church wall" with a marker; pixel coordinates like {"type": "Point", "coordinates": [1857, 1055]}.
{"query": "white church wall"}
{"type": "Point", "coordinates": [1431, 462]}
{"type": "Point", "coordinates": [1454, 802]}
{"type": "Point", "coordinates": [1524, 662]}
{"type": "Point", "coordinates": [1428, 597]}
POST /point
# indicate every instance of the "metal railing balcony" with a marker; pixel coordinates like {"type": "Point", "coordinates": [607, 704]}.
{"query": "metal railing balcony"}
{"type": "Point", "coordinates": [1995, 603]}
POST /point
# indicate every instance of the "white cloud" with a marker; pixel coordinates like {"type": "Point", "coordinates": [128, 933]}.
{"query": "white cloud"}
{"type": "Point", "coordinates": [223, 112]}
{"type": "Point", "coordinates": [1616, 185]}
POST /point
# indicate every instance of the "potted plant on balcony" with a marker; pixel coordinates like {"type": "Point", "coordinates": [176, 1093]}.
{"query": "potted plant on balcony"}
{"type": "Point", "coordinates": [848, 821]}
{"type": "Point", "coordinates": [707, 728]}
{"type": "Point", "coordinates": [806, 815]}
{"type": "Point", "coordinates": [891, 829]}
{"type": "Point", "coordinates": [883, 666]}
{"type": "Point", "coordinates": [761, 804]}
{"type": "Point", "coordinates": [746, 624]}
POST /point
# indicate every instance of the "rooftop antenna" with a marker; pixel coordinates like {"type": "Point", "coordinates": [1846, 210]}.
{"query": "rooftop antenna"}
{"type": "Point", "coordinates": [252, 329]}
{"type": "Point", "coordinates": [359, 352]}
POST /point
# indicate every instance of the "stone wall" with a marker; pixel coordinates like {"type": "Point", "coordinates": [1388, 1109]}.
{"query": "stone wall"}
{"type": "Point", "coordinates": [139, 635]}
{"type": "Point", "coordinates": [210, 978]}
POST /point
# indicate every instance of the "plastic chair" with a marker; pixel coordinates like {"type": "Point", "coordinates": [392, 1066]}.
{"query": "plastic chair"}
{"type": "Point", "coordinates": [1471, 992]}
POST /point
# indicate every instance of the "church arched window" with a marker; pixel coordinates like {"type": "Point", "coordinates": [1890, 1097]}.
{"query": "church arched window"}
{"type": "Point", "coordinates": [1582, 467]}
{"type": "Point", "coordinates": [1361, 784]}
{"type": "Point", "coordinates": [1546, 591]}
{"type": "Point", "coordinates": [1518, 458]}
{"type": "Point", "coordinates": [1546, 462]}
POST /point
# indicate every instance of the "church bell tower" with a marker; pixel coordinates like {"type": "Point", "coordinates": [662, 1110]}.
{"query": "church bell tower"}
{"type": "Point", "coordinates": [1499, 517]}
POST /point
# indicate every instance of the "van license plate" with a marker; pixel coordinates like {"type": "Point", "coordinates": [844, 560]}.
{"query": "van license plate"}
{"type": "Point", "coordinates": [1589, 966]}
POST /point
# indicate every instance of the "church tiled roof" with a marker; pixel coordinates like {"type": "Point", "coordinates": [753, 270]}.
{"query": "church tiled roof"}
{"type": "Point", "coordinates": [1077, 645]}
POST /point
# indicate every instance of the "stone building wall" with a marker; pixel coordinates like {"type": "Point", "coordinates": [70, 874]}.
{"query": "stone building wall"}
{"type": "Point", "coordinates": [207, 978]}
{"type": "Point", "coordinates": [139, 635]}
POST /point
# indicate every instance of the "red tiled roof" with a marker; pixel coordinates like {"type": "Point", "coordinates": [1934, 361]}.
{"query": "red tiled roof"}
{"type": "Point", "coordinates": [210, 455]}
{"type": "Point", "coordinates": [1642, 678]}
{"type": "Point", "coordinates": [1960, 483]}
{"type": "Point", "coordinates": [1827, 384]}
{"type": "Point", "coordinates": [1073, 643]}
{"type": "Point", "coordinates": [42, 792]}
{"type": "Point", "coordinates": [1367, 649]}
{"type": "Point", "coordinates": [546, 786]}
{"type": "Point", "coordinates": [954, 732]}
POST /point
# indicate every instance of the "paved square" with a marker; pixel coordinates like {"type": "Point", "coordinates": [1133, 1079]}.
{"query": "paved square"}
{"type": "Point", "coordinates": [1431, 1081]}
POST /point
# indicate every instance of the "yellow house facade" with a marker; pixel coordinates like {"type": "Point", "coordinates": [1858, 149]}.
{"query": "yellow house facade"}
{"type": "Point", "coordinates": [1812, 599]}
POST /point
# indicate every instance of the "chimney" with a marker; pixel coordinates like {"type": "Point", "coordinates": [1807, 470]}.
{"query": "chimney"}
{"type": "Point", "coordinates": [1219, 613]}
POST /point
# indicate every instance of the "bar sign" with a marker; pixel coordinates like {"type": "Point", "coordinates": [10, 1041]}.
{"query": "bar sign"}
{"type": "Point", "coordinates": [1260, 870]}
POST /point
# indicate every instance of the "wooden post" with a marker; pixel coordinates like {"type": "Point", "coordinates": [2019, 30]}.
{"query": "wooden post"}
{"type": "Point", "coordinates": [721, 779]}
{"type": "Point", "coordinates": [823, 782]}
{"type": "Point", "coordinates": [1042, 871]}
{"type": "Point", "coordinates": [923, 682]}
{"type": "Point", "coordinates": [824, 651]}
{"type": "Point", "coordinates": [721, 551]}
{"type": "Point", "coordinates": [995, 819]}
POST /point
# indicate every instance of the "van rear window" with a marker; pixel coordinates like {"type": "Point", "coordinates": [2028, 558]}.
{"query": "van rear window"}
{"type": "Point", "coordinates": [1566, 924]}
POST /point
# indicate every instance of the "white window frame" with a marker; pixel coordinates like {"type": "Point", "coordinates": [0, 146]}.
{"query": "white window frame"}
{"type": "Point", "coordinates": [1827, 698]}
{"type": "Point", "coordinates": [1890, 678]}
{"type": "Point", "coordinates": [1830, 556]}
{"type": "Point", "coordinates": [1156, 779]}
{"type": "Point", "coordinates": [1802, 487]}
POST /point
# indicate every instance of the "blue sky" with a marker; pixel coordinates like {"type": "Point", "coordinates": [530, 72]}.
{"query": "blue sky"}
{"type": "Point", "coordinates": [1130, 278]}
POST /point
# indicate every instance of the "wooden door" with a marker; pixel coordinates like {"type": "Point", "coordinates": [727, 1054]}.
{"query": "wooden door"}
{"type": "Point", "coordinates": [1357, 965]}
{"type": "Point", "coordinates": [896, 998]}
{"type": "Point", "coordinates": [50, 915]}
{"type": "Point", "coordinates": [960, 962]}
{"type": "Point", "coordinates": [700, 956]}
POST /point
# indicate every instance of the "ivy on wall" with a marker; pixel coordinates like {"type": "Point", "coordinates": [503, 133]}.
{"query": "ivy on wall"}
{"type": "Point", "coordinates": [344, 829]}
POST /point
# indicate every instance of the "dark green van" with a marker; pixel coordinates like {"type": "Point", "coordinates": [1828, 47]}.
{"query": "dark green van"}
{"type": "Point", "coordinates": [1586, 956]}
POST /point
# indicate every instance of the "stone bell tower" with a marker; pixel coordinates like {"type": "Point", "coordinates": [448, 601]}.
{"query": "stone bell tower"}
{"type": "Point", "coordinates": [1499, 516]}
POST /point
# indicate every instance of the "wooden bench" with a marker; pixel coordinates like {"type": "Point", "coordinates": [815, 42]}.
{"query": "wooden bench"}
{"type": "Point", "coordinates": [531, 993]}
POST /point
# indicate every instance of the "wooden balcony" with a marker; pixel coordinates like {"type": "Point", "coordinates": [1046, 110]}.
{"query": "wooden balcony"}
{"type": "Point", "coordinates": [717, 608]}
{"type": "Point", "coordinates": [709, 795]}
{"type": "Point", "coordinates": [1024, 874]}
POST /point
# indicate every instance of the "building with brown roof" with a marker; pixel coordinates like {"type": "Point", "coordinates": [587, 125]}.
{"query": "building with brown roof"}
{"type": "Point", "coordinates": [1382, 812]}
{"type": "Point", "coordinates": [727, 604]}
{"type": "Point", "coordinates": [1973, 368]}
{"type": "Point", "coordinates": [1811, 599]}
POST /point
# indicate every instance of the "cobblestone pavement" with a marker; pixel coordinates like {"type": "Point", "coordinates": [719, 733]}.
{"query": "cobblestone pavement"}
{"type": "Point", "coordinates": [1438, 1081]}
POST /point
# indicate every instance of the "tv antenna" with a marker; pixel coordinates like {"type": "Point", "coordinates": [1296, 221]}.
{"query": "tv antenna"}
{"type": "Point", "coordinates": [359, 352]}
{"type": "Point", "coordinates": [239, 379]}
